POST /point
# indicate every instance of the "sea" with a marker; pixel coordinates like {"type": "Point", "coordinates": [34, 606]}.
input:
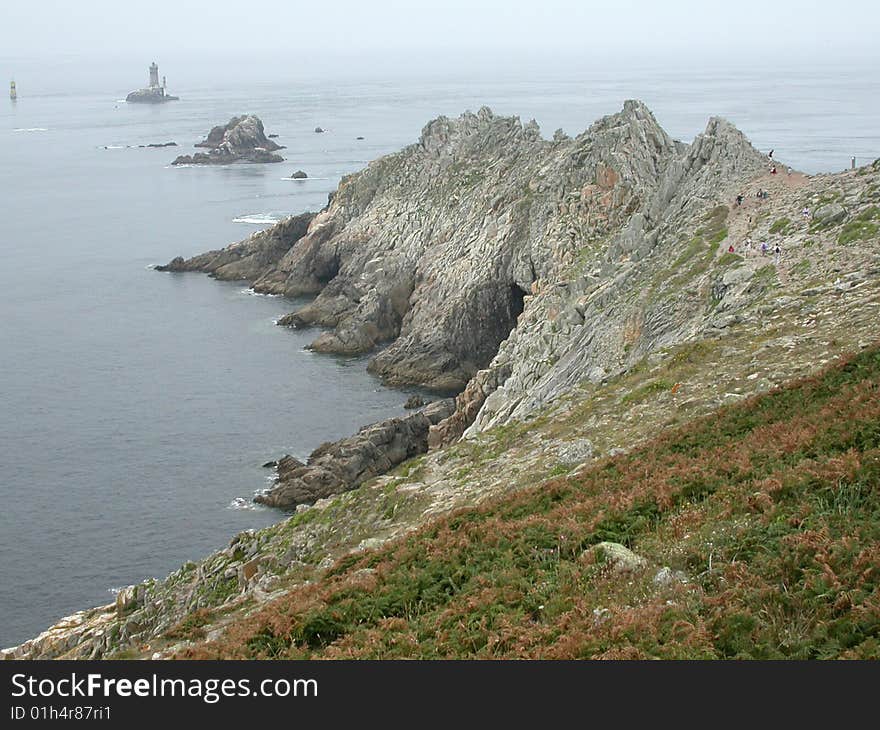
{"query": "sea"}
{"type": "Point", "coordinates": [137, 407]}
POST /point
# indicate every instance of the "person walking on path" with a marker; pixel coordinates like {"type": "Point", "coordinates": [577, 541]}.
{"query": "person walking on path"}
{"type": "Point", "coordinates": [776, 253]}
{"type": "Point", "coordinates": [764, 248]}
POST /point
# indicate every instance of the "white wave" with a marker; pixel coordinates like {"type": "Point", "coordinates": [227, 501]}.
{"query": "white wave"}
{"type": "Point", "coordinates": [303, 179]}
{"type": "Point", "coordinates": [30, 129]}
{"type": "Point", "coordinates": [240, 503]}
{"type": "Point", "coordinates": [261, 219]}
{"type": "Point", "coordinates": [251, 293]}
{"type": "Point", "coordinates": [115, 591]}
{"type": "Point", "coordinates": [151, 266]}
{"type": "Point", "coordinates": [112, 147]}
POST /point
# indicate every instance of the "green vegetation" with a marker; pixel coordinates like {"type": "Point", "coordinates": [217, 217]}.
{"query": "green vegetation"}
{"type": "Point", "coordinates": [862, 227]}
{"type": "Point", "coordinates": [771, 507]}
{"type": "Point", "coordinates": [780, 226]}
{"type": "Point", "coordinates": [729, 258]}
{"type": "Point", "coordinates": [646, 390]}
{"type": "Point", "coordinates": [191, 627]}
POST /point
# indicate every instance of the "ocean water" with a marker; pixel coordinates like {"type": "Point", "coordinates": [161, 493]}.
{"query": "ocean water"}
{"type": "Point", "coordinates": [136, 407]}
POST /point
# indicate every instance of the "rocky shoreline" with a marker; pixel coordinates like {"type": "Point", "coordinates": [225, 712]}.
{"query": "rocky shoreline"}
{"type": "Point", "coordinates": [578, 294]}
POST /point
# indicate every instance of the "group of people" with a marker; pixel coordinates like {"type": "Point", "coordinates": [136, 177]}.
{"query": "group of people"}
{"type": "Point", "coordinates": [765, 248]}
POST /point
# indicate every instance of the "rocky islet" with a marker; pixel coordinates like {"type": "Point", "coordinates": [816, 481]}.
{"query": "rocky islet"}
{"type": "Point", "coordinates": [241, 139]}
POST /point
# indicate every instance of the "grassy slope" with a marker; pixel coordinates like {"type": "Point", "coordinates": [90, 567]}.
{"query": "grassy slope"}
{"type": "Point", "coordinates": [771, 507]}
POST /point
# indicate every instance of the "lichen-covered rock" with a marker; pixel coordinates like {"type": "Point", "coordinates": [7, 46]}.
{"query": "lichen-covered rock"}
{"type": "Point", "coordinates": [618, 557]}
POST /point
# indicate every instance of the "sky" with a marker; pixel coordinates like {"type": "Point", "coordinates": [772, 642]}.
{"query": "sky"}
{"type": "Point", "coordinates": [349, 33]}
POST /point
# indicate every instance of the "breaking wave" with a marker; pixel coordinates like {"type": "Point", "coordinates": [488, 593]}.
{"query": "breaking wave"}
{"type": "Point", "coordinates": [260, 219]}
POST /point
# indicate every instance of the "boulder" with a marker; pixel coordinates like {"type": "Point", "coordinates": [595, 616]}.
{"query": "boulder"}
{"type": "Point", "coordinates": [299, 175]}
{"type": "Point", "coordinates": [829, 214]}
{"type": "Point", "coordinates": [618, 557]}
{"type": "Point", "coordinates": [318, 130]}
{"type": "Point", "coordinates": [414, 401]}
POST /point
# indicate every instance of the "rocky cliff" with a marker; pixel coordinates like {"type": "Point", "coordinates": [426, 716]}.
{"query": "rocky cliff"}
{"type": "Point", "coordinates": [579, 294]}
{"type": "Point", "coordinates": [241, 139]}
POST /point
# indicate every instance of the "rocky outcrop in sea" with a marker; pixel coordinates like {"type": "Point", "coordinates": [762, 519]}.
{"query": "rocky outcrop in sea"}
{"type": "Point", "coordinates": [241, 139]}
{"type": "Point", "coordinates": [346, 464]}
{"type": "Point", "coordinates": [152, 95]}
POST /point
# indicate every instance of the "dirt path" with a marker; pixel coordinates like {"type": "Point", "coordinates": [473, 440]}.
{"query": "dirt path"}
{"type": "Point", "coordinates": [746, 219]}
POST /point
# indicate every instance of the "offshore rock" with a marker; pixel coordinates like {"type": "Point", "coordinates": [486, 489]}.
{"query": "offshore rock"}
{"type": "Point", "coordinates": [242, 139]}
{"type": "Point", "coordinates": [345, 464]}
{"type": "Point", "coordinates": [154, 95]}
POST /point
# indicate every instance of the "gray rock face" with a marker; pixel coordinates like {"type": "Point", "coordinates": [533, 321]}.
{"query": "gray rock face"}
{"type": "Point", "coordinates": [299, 175]}
{"type": "Point", "coordinates": [248, 259]}
{"type": "Point", "coordinates": [348, 463]}
{"type": "Point", "coordinates": [830, 214]}
{"type": "Point", "coordinates": [503, 266]}
{"type": "Point", "coordinates": [240, 139]}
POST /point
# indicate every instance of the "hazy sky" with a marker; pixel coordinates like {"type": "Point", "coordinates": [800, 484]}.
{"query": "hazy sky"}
{"type": "Point", "coordinates": [509, 29]}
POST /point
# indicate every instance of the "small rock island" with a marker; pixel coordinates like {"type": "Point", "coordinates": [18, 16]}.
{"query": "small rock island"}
{"type": "Point", "coordinates": [155, 93]}
{"type": "Point", "coordinates": [242, 139]}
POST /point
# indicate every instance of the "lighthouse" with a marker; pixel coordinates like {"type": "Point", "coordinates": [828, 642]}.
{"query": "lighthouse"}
{"type": "Point", "coordinates": [154, 93]}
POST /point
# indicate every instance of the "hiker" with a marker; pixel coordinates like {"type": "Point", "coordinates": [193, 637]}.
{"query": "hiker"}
{"type": "Point", "coordinates": [749, 243]}
{"type": "Point", "coordinates": [770, 154]}
{"type": "Point", "coordinates": [805, 212]}
{"type": "Point", "coordinates": [764, 248]}
{"type": "Point", "coordinates": [739, 199]}
{"type": "Point", "coordinates": [730, 248]}
{"type": "Point", "coordinates": [773, 170]}
{"type": "Point", "coordinates": [776, 253]}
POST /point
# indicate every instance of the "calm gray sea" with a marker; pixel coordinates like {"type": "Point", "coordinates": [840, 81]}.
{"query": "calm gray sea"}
{"type": "Point", "coordinates": [136, 407]}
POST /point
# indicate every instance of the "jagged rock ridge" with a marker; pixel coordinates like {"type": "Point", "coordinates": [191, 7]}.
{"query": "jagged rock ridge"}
{"type": "Point", "coordinates": [240, 139]}
{"type": "Point", "coordinates": [439, 250]}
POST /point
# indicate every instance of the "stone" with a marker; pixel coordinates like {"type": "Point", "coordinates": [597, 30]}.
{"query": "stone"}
{"type": "Point", "coordinates": [299, 175]}
{"type": "Point", "coordinates": [241, 139]}
{"type": "Point", "coordinates": [618, 557]}
{"type": "Point", "coordinates": [346, 464]}
{"type": "Point", "coordinates": [667, 577]}
{"type": "Point", "coordinates": [414, 401]}
{"type": "Point", "coordinates": [318, 130]}
{"type": "Point", "coordinates": [829, 214]}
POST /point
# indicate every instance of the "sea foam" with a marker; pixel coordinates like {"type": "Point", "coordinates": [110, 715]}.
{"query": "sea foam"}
{"type": "Point", "coordinates": [260, 219]}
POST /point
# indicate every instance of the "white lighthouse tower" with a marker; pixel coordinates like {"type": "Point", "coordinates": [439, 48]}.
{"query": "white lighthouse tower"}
{"type": "Point", "coordinates": [154, 76]}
